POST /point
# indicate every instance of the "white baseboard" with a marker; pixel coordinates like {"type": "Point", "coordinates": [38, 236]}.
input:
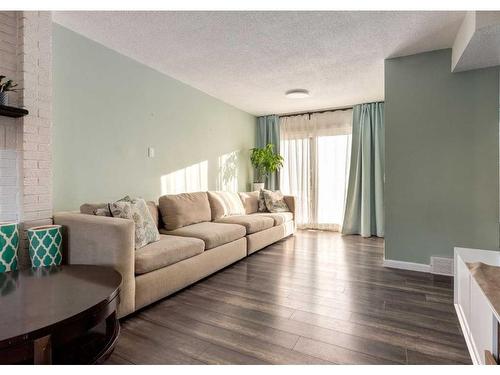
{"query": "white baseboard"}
{"type": "Point", "coordinates": [438, 266]}
{"type": "Point", "coordinates": [419, 267]}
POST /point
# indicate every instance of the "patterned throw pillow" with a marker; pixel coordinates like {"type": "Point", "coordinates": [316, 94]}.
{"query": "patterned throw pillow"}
{"type": "Point", "coordinates": [137, 210]}
{"type": "Point", "coordinates": [104, 210]}
{"type": "Point", "coordinates": [274, 201]}
{"type": "Point", "coordinates": [262, 201]}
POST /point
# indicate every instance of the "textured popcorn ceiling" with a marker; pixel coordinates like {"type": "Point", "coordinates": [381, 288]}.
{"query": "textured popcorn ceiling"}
{"type": "Point", "coordinates": [249, 59]}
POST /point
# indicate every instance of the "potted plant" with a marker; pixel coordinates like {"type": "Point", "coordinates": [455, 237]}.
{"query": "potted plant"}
{"type": "Point", "coordinates": [5, 87]}
{"type": "Point", "coordinates": [265, 161]}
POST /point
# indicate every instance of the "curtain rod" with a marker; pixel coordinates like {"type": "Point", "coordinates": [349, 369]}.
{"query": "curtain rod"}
{"type": "Point", "coordinates": [311, 112]}
{"type": "Point", "coordinates": [323, 110]}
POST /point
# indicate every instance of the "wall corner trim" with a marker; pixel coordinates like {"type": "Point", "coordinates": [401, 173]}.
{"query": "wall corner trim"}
{"type": "Point", "coordinates": [419, 267]}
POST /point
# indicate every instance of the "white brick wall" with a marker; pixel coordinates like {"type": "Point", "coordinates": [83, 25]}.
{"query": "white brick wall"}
{"type": "Point", "coordinates": [25, 56]}
{"type": "Point", "coordinates": [9, 185]}
{"type": "Point", "coordinates": [10, 128]}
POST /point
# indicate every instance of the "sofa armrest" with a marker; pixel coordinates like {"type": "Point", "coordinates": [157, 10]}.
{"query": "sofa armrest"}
{"type": "Point", "coordinates": [101, 240]}
{"type": "Point", "coordinates": [290, 202]}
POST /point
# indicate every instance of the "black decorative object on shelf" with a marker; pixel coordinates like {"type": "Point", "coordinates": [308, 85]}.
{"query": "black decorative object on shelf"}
{"type": "Point", "coordinates": [9, 111]}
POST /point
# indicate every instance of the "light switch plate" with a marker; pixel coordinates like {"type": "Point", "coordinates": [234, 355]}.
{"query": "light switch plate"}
{"type": "Point", "coordinates": [151, 152]}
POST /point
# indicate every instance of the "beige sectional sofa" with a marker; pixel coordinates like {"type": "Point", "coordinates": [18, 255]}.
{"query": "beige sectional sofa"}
{"type": "Point", "coordinates": [197, 239]}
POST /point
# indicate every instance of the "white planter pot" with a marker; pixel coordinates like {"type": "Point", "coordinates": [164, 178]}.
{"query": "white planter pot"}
{"type": "Point", "coordinates": [258, 186]}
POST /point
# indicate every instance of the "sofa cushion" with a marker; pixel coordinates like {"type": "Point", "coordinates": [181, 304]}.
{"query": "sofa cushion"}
{"type": "Point", "coordinates": [225, 203]}
{"type": "Point", "coordinates": [250, 201]}
{"type": "Point", "coordinates": [180, 210]}
{"type": "Point", "coordinates": [251, 223]}
{"type": "Point", "coordinates": [214, 234]}
{"type": "Point", "coordinates": [278, 217]}
{"type": "Point", "coordinates": [168, 250]}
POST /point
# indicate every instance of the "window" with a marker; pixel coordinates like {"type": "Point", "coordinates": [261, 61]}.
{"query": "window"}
{"type": "Point", "coordinates": [316, 150]}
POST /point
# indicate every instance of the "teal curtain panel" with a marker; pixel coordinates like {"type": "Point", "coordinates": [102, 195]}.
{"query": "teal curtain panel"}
{"type": "Point", "coordinates": [364, 213]}
{"type": "Point", "coordinates": [268, 131]}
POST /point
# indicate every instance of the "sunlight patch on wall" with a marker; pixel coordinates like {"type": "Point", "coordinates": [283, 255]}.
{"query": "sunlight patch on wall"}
{"type": "Point", "coordinates": [186, 180]}
{"type": "Point", "coordinates": [227, 171]}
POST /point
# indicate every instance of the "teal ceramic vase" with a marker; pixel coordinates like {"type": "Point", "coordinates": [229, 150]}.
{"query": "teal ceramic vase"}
{"type": "Point", "coordinates": [9, 243]}
{"type": "Point", "coordinates": [45, 245]}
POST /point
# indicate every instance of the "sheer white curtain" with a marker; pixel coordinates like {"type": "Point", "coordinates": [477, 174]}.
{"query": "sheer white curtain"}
{"type": "Point", "coordinates": [316, 150]}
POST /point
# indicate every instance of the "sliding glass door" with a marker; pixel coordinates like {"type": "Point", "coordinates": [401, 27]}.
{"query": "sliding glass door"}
{"type": "Point", "coordinates": [317, 153]}
{"type": "Point", "coordinates": [332, 177]}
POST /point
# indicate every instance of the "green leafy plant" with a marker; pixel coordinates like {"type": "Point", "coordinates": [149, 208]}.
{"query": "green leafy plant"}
{"type": "Point", "coordinates": [7, 85]}
{"type": "Point", "coordinates": [265, 161]}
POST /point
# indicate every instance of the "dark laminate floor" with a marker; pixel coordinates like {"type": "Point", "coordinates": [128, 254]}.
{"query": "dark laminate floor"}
{"type": "Point", "coordinates": [316, 298]}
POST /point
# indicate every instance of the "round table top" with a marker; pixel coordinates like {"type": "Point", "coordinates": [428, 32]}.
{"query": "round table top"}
{"type": "Point", "coordinates": [35, 299]}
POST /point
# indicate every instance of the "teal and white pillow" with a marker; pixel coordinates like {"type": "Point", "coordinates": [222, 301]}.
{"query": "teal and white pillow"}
{"type": "Point", "coordinates": [136, 209]}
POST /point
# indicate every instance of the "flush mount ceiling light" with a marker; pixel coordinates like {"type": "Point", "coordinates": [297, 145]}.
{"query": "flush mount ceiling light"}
{"type": "Point", "coordinates": [297, 94]}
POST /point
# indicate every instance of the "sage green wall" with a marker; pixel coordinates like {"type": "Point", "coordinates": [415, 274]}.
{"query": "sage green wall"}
{"type": "Point", "coordinates": [441, 157]}
{"type": "Point", "coordinates": [109, 108]}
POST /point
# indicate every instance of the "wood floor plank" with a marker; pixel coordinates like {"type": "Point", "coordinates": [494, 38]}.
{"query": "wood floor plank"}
{"type": "Point", "coordinates": [434, 309]}
{"type": "Point", "coordinates": [332, 306]}
{"type": "Point", "coordinates": [290, 305]}
{"type": "Point", "coordinates": [342, 311]}
{"type": "Point", "coordinates": [417, 358]}
{"type": "Point", "coordinates": [316, 297]}
{"type": "Point", "coordinates": [268, 307]}
{"type": "Point", "coordinates": [142, 341]}
{"type": "Point", "coordinates": [456, 354]}
{"type": "Point", "coordinates": [244, 344]}
{"type": "Point", "coordinates": [336, 354]}
{"type": "Point", "coordinates": [115, 359]}
{"type": "Point", "coordinates": [245, 327]}
{"type": "Point", "coordinates": [449, 335]}
{"type": "Point", "coordinates": [218, 355]}
{"type": "Point", "coordinates": [375, 345]}
{"type": "Point", "coordinates": [399, 335]}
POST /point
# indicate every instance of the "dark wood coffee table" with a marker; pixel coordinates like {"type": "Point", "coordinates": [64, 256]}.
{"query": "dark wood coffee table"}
{"type": "Point", "coordinates": [60, 314]}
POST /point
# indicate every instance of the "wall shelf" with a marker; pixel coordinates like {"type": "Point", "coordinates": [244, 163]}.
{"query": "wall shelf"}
{"type": "Point", "coordinates": [8, 111]}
